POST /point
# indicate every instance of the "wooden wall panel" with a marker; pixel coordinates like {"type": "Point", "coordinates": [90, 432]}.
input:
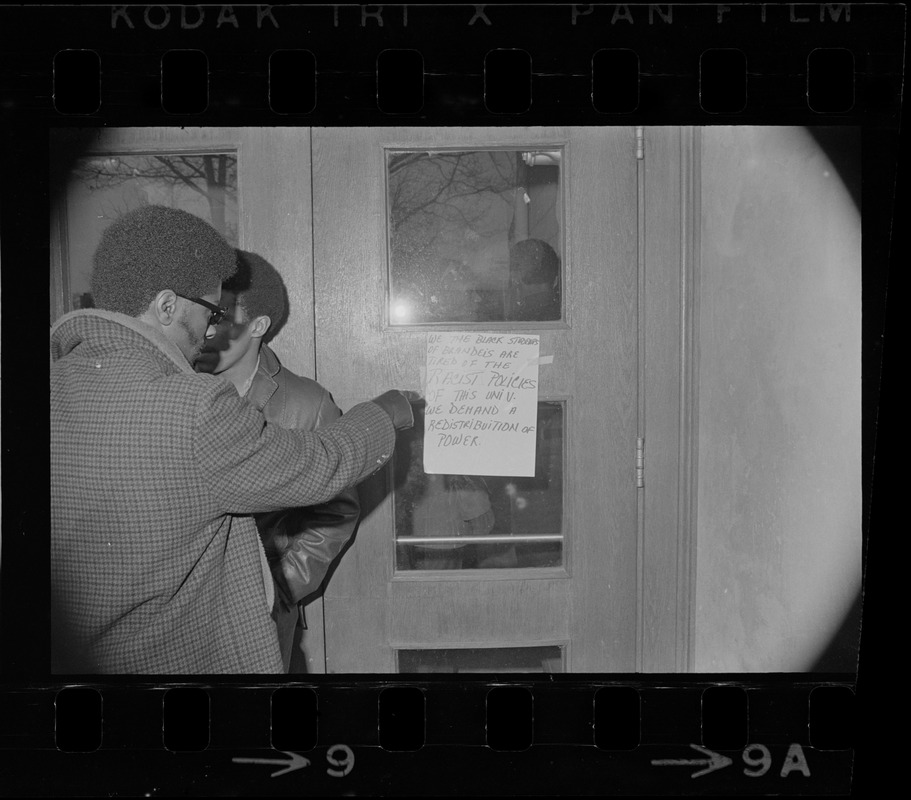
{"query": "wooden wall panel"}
{"type": "Point", "coordinates": [779, 551]}
{"type": "Point", "coordinates": [503, 612]}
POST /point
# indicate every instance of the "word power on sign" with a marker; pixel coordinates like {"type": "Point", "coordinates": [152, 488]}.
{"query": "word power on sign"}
{"type": "Point", "coordinates": [482, 404]}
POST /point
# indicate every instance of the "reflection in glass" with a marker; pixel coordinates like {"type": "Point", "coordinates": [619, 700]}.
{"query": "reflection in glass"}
{"type": "Point", "coordinates": [104, 187]}
{"type": "Point", "coordinates": [547, 658]}
{"type": "Point", "coordinates": [519, 520]}
{"type": "Point", "coordinates": [475, 236]}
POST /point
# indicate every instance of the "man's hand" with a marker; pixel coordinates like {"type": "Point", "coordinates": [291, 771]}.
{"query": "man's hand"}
{"type": "Point", "coordinates": [412, 396]}
{"type": "Point", "coordinates": [398, 406]}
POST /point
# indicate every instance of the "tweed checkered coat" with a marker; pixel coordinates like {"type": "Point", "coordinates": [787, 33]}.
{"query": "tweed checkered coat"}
{"type": "Point", "coordinates": [154, 569]}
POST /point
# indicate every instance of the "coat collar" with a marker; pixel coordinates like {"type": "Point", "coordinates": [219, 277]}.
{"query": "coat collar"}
{"type": "Point", "coordinates": [73, 328]}
{"type": "Point", "coordinates": [264, 384]}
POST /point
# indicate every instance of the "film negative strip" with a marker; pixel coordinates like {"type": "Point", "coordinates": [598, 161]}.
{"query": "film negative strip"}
{"type": "Point", "coordinates": [660, 208]}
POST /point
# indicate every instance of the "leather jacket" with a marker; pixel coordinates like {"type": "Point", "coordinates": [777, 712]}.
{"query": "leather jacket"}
{"type": "Point", "coordinates": [300, 543]}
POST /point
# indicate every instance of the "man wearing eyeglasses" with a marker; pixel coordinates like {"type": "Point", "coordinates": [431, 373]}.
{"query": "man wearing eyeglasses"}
{"type": "Point", "coordinates": [300, 543]}
{"type": "Point", "coordinates": [156, 565]}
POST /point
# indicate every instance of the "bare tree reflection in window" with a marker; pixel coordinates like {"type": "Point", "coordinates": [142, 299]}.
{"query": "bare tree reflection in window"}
{"type": "Point", "coordinates": [212, 176]}
{"type": "Point", "coordinates": [454, 217]}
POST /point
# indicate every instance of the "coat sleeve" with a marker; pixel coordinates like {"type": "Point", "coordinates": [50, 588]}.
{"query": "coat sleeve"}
{"type": "Point", "coordinates": [249, 466]}
{"type": "Point", "coordinates": [301, 543]}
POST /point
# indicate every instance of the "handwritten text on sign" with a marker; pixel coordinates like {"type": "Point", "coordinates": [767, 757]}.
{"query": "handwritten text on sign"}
{"type": "Point", "coordinates": [482, 404]}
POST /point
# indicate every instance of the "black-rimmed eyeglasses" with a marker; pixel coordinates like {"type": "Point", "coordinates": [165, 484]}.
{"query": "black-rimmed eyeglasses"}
{"type": "Point", "coordinates": [218, 312]}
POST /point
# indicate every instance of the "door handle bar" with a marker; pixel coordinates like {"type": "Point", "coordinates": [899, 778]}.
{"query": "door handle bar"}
{"type": "Point", "coordinates": [547, 537]}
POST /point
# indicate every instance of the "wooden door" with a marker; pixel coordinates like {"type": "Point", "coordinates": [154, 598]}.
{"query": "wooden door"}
{"type": "Point", "coordinates": [575, 612]}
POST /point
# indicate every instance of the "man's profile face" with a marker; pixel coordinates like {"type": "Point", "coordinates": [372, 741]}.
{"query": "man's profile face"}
{"type": "Point", "coordinates": [193, 325]}
{"type": "Point", "coordinates": [230, 341]}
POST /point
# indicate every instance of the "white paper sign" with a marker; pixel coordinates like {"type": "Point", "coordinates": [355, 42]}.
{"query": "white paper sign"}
{"type": "Point", "coordinates": [482, 403]}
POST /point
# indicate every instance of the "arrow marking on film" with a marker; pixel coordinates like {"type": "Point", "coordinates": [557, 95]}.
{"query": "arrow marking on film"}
{"type": "Point", "coordinates": [714, 761]}
{"type": "Point", "coordinates": [295, 762]}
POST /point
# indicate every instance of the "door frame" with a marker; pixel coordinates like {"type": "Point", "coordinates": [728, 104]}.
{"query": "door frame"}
{"type": "Point", "coordinates": [669, 275]}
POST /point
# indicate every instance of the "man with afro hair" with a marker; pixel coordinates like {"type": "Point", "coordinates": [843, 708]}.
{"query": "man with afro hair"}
{"type": "Point", "coordinates": [156, 563]}
{"type": "Point", "coordinates": [300, 543]}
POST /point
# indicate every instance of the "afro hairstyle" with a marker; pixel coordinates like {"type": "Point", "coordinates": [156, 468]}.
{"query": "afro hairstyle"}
{"type": "Point", "coordinates": [155, 248]}
{"type": "Point", "coordinates": [260, 290]}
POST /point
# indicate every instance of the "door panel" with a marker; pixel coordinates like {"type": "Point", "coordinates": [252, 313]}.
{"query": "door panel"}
{"type": "Point", "coordinates": [588, 605]}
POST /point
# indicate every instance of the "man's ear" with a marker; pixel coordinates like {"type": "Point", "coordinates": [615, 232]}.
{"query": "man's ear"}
{"type": "Point", "coordinates": [260, 326]}
{"type": "Point", "coordinates": [164, 307]}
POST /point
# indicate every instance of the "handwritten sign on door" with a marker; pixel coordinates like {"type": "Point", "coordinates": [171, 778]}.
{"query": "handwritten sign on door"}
{"type": "Point", "coordinates": [482, 404]}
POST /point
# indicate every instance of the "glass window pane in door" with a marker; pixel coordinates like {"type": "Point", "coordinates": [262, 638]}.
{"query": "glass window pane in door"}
{"type": "Point", "coordinates": [475, 236]}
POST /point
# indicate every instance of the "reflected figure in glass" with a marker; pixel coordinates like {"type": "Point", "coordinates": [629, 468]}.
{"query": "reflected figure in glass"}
{"type": "Point", "coordinates": [534, 281]}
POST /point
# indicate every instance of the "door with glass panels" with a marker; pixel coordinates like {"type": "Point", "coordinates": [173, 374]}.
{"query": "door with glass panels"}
{"type": "Point", "coordinates": [519, 234]}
